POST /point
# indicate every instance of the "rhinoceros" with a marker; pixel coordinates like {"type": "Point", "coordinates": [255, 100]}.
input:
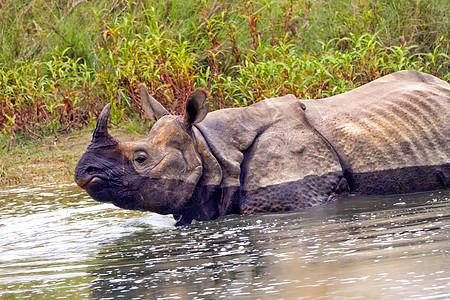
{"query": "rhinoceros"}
{"type": "Point", "coordinates": [282, 154]}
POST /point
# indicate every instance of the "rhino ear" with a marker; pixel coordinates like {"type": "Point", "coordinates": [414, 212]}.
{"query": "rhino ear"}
{"type": "Point", "coordinates": [152, 108]}
{"type": "Point", "coordinates": [196, 108]}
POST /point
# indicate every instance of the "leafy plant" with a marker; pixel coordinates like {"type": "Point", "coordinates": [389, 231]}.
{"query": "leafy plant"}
{"type": "Point", "coordinates": [62, 61]}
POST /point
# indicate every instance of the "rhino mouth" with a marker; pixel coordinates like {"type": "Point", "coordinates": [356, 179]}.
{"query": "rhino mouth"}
{"type": "Point", "coordinates": [90, 181]}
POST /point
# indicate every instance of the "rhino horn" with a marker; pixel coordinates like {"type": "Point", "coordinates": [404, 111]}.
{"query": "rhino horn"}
{"type": "Point", "coordinates": [153, 109]}
{"type": "Point", "coordinates": [101, 137]}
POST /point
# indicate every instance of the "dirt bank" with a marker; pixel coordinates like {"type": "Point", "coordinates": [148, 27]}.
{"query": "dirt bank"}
{"type": "Point", "coordinates": [49, 161]}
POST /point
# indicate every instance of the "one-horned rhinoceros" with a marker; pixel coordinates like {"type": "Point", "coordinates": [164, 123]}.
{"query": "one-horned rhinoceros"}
{"type": "Point", "coordinates": [281, 154]}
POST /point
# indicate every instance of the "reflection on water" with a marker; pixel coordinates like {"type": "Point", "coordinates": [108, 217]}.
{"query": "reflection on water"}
{"type": "Point", "coordinates": [55, 241]}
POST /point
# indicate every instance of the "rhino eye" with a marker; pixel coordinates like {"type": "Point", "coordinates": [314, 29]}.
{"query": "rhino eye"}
{"type": "Point", "coordinates": [140, 158]}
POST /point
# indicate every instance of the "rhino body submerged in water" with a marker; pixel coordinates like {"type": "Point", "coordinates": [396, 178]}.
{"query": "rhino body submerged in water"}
{"type": "Point", "coordinates": [282, 154]}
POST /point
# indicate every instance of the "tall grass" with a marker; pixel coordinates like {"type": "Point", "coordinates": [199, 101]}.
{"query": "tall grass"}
{"type": "Point", "coordinates": [61, 61]}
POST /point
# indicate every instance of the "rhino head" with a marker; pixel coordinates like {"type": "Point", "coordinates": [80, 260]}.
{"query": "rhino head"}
{"type": "Point", "coordinates": [158, 173]}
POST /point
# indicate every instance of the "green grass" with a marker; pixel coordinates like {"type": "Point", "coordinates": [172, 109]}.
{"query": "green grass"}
{"type": "Point", "coordinates": [62, 61]}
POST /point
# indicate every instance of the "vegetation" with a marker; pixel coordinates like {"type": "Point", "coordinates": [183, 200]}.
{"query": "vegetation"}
{"type": "Point", "coordinates": [62, 61]}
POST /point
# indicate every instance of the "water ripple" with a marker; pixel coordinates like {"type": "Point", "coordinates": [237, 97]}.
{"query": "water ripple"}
{"type": "Point", "coordinates": [56, 241]}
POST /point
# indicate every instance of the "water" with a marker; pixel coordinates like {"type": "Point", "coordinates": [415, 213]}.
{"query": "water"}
{"type": "Point", "coordinates": [57, 243]}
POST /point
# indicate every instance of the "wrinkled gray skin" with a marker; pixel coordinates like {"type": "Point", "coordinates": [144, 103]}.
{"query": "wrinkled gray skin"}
{"type": "Point", "coordinates": [282, 154]}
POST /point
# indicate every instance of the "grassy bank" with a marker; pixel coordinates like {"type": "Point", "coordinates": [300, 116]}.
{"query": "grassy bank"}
{"type": "Point", "coordinates": [62, 61]}
{"type": "Point", "coordinates": [50, 159]}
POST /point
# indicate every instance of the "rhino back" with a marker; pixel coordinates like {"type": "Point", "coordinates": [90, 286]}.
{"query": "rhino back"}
{"type": "Point", "coordinates": [392, 135]}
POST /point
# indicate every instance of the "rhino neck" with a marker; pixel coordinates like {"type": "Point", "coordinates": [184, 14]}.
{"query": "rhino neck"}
{"type": "Point", "coordinates": [209, 196]}
{"type": "Point", "coordinates": [212, 171]}
{"type": "Point", "coordinates": [208, 193]}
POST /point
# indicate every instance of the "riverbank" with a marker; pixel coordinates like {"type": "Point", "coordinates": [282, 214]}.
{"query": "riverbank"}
{"type": "Point", "coordinates": [52, 159]}
{"type": "Point", "coordinates": [62, 61]}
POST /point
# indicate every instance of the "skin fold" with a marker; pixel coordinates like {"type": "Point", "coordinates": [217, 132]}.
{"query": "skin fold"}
{"type": "Point", "coordinates": [281, 154]}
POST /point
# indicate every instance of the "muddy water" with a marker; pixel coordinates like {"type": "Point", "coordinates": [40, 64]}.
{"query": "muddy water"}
{"type": "Point", "coordinates": [55, 242]}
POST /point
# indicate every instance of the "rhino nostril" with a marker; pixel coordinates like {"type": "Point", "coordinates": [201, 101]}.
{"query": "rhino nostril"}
{"type": "Point", "coordinates": [91, 170]}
